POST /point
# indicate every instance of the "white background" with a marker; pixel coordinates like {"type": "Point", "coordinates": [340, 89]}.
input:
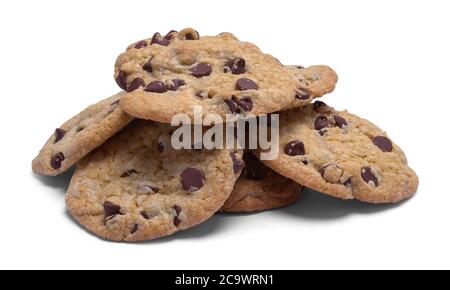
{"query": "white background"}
{"type": "Point", "coordinates": [393, 62]}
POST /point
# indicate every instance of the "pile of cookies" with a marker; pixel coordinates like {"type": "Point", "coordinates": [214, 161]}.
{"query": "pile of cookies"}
{"type": "Point", "coordinates": [130, 184]}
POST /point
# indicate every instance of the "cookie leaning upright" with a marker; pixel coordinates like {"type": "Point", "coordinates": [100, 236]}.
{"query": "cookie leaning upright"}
{"type": "Point", "coordinates": [137, 187]}
{"type": "Point", "coordinates": [80, 135]}
{"type": "Point", "coordinates": [169, 75]}
{"type": "Point", "coordinates": [342, 155]}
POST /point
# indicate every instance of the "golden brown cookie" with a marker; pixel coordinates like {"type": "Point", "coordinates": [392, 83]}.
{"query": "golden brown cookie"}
{"type": "Point", "coordinates": [342, 155]}
{"type": "Point", "coordinates": [136, 187]}
{"type": "Point", "coordinates": [80, 135]}
{"type": "Point", "coordinates": [170, 75]}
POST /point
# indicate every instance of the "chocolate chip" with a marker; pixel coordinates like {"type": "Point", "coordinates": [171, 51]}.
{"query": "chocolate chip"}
{"type": "Point", "coordinates": [188, 34]}
{"type": "Point", "coordinates": [322, 132]}
{"type": "Point", "coordinates": [177, 209]}
{"type": "Point", "coordinates": [145, 215]}
{"type": "Point", "coordinates": [368, 176]}
{"type": "Point", "coordinates": [56, 160]}
{"type": "Point", "coordinates": [140, 44]}
{"type": "Point", "coordinates": [176, 220]}
{"type": "Point", "coordinates": [111, 209]}
{"type": "Point", "coordinates": [295, 148]}
{"type": "Point", "coordinates": [59, 134]}
{"type": "Point", "coordinates": [245, 84]}
{"type": "Point", "coordinates": [245, 103]}
{"type": "Point", "coordinates": [254, 169]}
{"type": "Point", "coordinates": [322, 108]}
{"type": "Point", "coordinates": [148, 66]}
{"type": "Point", "coordinates": [194, 35]}
{"type": "Point", "coordinates": [156, 87]}
{"type": "Point", "coordinates": [170, 34]}
{"type": "Point", "coordinates": [134, 229]}
{"type": "Point", "coordinates": [235, 105]}
{"type": "Point", "coordinates": [383, 143]}
{"type": "Point", "coordinates": [340, 122]}
{"type": "Point", "coordinates": [348, 182]}
{"type": "Point", "coordinates": [176, 84]}
{"type": "Point", "coordinates": [121, 80]}
{"type": "Point", "coordinates": [303, 94]}
{"type": "Point", "coordinates": [157, 39]}
{"type": "Point", "coordinates": [160, 146]}
{"type": "Point", "coordinates": [236, 66]}
{"type": "Point", "coordinates": [136, 84]}
{"type": "Point", "coordinates": [321, 122]}
{"type": "Point", "coordinates": [232, 105]}
{"type": "Point", "coordinates": [318, 104]}
{"type": "Point", "coordinates": [129, 172]}
{"type": "Point", "coordinates": [192, 179]}
{"type": "Point", "coordinates": [238, 164]}
{"type": "Point", "coordinates": [201, 70]}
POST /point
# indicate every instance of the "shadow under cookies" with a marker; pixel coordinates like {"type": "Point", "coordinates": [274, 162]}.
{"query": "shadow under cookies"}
{"type": "Point", "coordinates": [214, 225]}
{"type": "Point", "coordinates": [314, 205]}
{"type": "Point", "coordinates": [311, 205]}
{"type": "Point", "coordinates": [59, 182]}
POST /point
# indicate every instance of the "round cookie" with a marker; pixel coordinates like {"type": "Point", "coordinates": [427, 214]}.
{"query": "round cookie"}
{"type": "Point", "coordinates": [169, 75]}
{"type": "Point", "coordinates": [136, 187]}
{"type": "Point", "coordinates": [342, 155]}
{"type": "Point", "coordinates": [80, 135]}
{"type": "Point", "coordinates": [259, 188]}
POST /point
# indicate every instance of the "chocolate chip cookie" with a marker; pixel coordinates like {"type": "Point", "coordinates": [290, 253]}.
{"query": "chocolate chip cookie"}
{"type": "Point", "coordinates": [136, 187]}
{"type": "Point", "coordinates": [169, 75]}
{"type": "Point", "coordinates": [342, 155]}
{"type": "Point", "coordinates": [80, 135]}
{"type": "Point", "coordinates": [317, 80]}
{"type": "Point", "coordinates": [259, 188]}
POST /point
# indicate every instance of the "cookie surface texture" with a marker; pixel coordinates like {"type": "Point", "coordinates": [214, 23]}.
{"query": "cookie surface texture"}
{"type": "Point", "coordinates": [80, 135]}
{"type": "Point", "coordinates": [170, 75]}
{"type": "Point", "coordinates": [136, 187]}
{"type": "Point", "coordinates": [342, 155]}
{"type": "Point", "coordinates": [315, 80]}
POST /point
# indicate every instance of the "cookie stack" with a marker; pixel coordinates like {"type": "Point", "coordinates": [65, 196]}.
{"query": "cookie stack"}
{"type": "Point", "coordinates": [130, 184]}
